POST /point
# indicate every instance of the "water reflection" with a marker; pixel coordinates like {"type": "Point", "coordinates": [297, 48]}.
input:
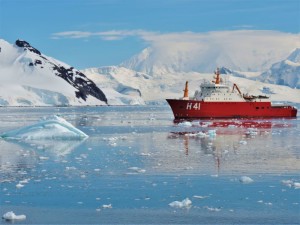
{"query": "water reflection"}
{"type": "Point", "coordinates": [17, 158]}
{"type": "Point", "coordinates": [251, 146]}
{"type": "Point", "coordinates": [14, 161]}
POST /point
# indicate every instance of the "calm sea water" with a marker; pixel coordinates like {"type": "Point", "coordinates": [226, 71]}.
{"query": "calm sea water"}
{"type": "Point", "coordinates": [137, 161]}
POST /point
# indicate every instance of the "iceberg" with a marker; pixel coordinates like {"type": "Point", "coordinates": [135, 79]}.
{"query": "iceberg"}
{"type": "Point", "coordinates": [53, 127]}
{"type": "Point", "coordinates": [12, 216]}
{"type": "Point", "coordinates": [246, 180]}
{"type": "Point", "coordinates": [186, 203]}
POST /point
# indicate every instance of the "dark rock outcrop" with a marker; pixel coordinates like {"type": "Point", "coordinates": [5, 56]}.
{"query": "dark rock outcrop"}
{"type": "Point", "coordinates": [74, 77]}
{"type": "Point", "coordinates": [26, 45]}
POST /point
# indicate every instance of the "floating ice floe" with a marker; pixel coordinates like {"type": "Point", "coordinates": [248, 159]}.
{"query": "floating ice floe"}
{"type": "Point", "coordinates": [12, 216]}
{"type": "Point", "coordinates": [251, 131]}
{"type": "Point", "coordinates": [201, 134]}
{"type": "Point", "coordinates": [52, 127]}
{"type": "Point", "coordinates": [212, 209]}
{"type": "Point", "coordinates": [136, 169]}
{"type": "Point", "coordinates": [186, 203]}
{"type": "Point", "coordinates": [245, 180]}
{"type": "Point", "coordinates": [200, 197]}
{"type": "Point", "coordinates": [296, 185]}
{"type": "Point", "coordinates": [212, 133]}
{"type": "Point", "coordinates": [291, 183]}
{"type": "Point", "coordinates": [109, 206]}
{"type": "Point", "coordinates": [242, 142]}
{"type": "Point", "coordinates": [185, 124]}
{"type": "Point", "coordinates": [19, 185]}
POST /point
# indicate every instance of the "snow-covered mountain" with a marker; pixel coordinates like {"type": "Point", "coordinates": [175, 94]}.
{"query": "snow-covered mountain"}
{"type": "Point", "coordinates": [30, 78]}
{"type": "Point", "coordinates": [244, 50]}
{"type": "Point", "coordinates": [121, 85]}
{"type": "Point", "coordinates": [285, 72]}
{"type": "Point", "coordinates": [155, 89]}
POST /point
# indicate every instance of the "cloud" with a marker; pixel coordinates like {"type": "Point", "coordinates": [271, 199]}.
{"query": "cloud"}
{"type": "Point", "coordinates": [71, 34]}
{"type": "Point", "coordinates": [110, 35]}
{"type": "Point", "coordinates": [245, 50]}
{"type": "Point", "coordinates": [178, 37]}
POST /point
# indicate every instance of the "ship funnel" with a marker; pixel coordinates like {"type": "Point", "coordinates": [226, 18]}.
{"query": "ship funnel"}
{"type": "Point", "coordinates": [186, 91]}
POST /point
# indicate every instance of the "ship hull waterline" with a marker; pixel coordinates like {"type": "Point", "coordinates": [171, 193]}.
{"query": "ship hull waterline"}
{"type": "Point", "coordinates": [194, 109]}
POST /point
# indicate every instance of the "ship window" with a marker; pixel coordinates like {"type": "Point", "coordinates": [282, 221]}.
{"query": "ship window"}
{"type": "Point", "coordinates": [257, 107]}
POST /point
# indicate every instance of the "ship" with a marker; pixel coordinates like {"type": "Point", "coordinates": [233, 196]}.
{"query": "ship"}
{"type": "Point", "coordinates": [216, 99]}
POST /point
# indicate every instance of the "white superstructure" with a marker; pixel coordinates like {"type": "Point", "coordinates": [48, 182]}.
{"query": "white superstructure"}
{"type": "Point", "coordinates": [216, 92]}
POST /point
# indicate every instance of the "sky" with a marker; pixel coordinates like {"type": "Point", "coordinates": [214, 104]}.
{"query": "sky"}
{"type": "Point", "coordinates": [94, 33]}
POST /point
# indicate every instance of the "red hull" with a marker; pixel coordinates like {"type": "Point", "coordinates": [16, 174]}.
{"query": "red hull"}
{"type": "Point", "coordinates": [192, 109]}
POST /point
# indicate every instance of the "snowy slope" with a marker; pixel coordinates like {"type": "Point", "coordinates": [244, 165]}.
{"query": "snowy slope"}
{"type": "Point", "coordinates": [155, 89]}
{"type": "Point", "coordinates": [121, 85]}
{"type": "Point", "coordinates": [285, 72]}
{"type": "Point", "coordinates": [244, 50]}
{"type": "Point", "coordinates": [30, 78]}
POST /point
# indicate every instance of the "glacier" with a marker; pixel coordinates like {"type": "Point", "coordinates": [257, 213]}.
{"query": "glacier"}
{"type": "Point", "coordinates": [285, 72]}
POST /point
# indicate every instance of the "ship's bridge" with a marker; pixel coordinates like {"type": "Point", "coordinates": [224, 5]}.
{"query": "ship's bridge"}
{"type": "Point", "coordinates": [214, 88]}
{"type": "Point", "coordinates": [217, 92]}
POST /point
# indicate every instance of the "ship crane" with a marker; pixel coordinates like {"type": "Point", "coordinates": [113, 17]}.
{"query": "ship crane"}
{"type": "Point", "coordinates": [237, 88]}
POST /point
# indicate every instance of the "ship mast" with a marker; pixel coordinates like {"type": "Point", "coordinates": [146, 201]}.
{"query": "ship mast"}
{"type": "Point", "coordinates": [217, 72]}
{"type": "Point", "coordinates": [186, 91]}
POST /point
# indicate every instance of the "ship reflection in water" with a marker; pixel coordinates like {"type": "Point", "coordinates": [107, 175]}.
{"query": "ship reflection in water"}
{"type": "Point", "coordinates": [237, 146]}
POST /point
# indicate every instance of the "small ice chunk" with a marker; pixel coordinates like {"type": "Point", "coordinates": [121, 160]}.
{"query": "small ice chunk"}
{"type": "Point", "coordinates": [212, 209]}
{"type": "Point", "coordinates": [245, 180]}
{"type": "Point", "coordinates": [200, 197]}
{"type": "Point", "coordinates": [109, 206]}
{"type": "Point", "coordinates": [186, 203]}
{"type": "Point", "coordinates": [25, 181]}
{"type": "Point", "coordinates": [137, 169]}
{"type": "Point", "coordinates": [12, 216]}
{"type": "Point", "coordinates": [296, 185]}
{"type": "Point", "coordinates": [43, 158]}
{"type": "Point", "coordinates": [19, 185]}
{"type": "Point", "coordinates": [251, 131]}
{"type": "Point", "coordinates": [288, 183]}
{"type": "Point", "coordinates": [212, 132]}
{"type": "Point", "coordinates": [145, 154]}
{"type": "Point", "coordinates": [243, 142]}
{"type": "Point", "coordinates": [201, 134]}
{"type": "Point", "coordinates": [185, 124]}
